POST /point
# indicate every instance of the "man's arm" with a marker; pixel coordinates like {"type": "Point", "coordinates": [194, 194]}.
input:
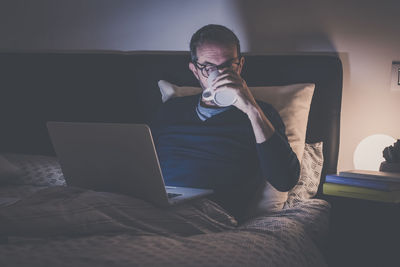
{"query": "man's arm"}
{"type": "Point", "coordinates": [262, 127]}
{"type": "Point", "coordinates": [279, 164]}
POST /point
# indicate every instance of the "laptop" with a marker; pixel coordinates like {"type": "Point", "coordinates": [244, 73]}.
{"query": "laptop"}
{"type": "Point", "coordinates": [119, 158]}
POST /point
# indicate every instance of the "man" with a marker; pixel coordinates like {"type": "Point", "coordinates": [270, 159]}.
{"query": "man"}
{"type": "Point", "coordinates": [229, 149]}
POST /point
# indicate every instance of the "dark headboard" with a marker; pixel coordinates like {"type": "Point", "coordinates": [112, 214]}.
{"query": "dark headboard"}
{"type": "Point", "coordinates": [122, 87]}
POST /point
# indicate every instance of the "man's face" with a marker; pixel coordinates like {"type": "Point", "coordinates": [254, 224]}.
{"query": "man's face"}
{"type": "Point", "coordinates": [211, 54]}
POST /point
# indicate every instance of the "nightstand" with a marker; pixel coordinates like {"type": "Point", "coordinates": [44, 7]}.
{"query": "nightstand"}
{"type": "Point", "coordinates": [363, 233]}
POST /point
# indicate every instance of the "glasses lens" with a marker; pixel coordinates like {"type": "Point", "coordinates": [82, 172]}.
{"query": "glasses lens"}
{"type": "Point", "coordinates": [206, 70]}
{"type": "Point", "coordinates": [209, 69]}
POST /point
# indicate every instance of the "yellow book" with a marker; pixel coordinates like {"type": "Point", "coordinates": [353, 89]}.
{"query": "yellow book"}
{"type": "Point", "coordinates": [360, 192]}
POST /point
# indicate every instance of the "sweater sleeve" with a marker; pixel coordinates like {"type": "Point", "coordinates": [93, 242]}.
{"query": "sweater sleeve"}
{"type": "Point", "coordinates": [279, 164]}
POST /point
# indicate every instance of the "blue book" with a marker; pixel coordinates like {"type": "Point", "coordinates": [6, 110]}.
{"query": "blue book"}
{"type": "Point", "coordinates": [379, 185]}
{"type": "Point", "coordinates": [372, 175]}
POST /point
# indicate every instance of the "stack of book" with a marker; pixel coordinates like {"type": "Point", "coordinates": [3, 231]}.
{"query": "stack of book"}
{"type": "Point", "coordinates": [371, 185]}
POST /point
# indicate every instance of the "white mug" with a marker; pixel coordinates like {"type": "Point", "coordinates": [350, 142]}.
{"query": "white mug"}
{"type": "Point", "coordinates": [222, 97]}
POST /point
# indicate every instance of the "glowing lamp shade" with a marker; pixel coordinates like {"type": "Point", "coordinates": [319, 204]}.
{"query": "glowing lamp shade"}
{"type": "Point", "coordinates": [368, 154]}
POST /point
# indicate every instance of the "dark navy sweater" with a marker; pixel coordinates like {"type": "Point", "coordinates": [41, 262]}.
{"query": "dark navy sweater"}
{"type": "Point", "coordinates": [221, 152]}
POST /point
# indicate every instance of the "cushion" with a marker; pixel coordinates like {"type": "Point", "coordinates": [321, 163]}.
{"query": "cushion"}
{"type": "Point", "coordinates": [310, 175]}
{"type": "Point", "coordinates": [268, 199]}
{"type": "Point", "coordinates": [36, 170]}
{"type": "Point", "coordinates": [8, 171]}
{"type": "Point", "coordinates": [291, 101]}
{"type": "Point", "coordinates": [293, 104]}
{"type": "Point", "coordinates": [169, 90]}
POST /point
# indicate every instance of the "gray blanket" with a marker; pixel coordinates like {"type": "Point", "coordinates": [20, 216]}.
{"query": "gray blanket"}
{"type": "Point", "coordinates": [64, 226]}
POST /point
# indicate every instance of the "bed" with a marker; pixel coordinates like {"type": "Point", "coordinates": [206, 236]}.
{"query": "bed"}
{"type": "Point", "coordinates": [43, 222]}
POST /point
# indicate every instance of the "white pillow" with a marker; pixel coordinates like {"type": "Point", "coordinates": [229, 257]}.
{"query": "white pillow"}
{"type": "Point", "coordinates": [293, 104]}
{"type": "Point", "coordinates": [266, 200]}
{"type": "Point", "coordinates": [291, 101]}
{"type": "Point", "coordinates": [169, 90]}
{"type": "Point", "coordinates": [8, 171]}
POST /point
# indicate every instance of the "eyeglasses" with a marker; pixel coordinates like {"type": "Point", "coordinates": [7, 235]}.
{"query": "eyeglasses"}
{"type": "Point", "coordinates": [206, 69]}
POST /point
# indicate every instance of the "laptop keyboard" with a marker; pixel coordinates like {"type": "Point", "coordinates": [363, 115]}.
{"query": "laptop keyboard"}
{"type": "Point", "coordinates": [171, 195]}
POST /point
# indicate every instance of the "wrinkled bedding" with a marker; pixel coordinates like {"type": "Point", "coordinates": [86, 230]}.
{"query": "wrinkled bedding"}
{"type": "Point", "coordinates": [66, 226]}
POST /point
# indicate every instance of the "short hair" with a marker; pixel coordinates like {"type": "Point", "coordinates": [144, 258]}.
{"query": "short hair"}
{"type": "Point", "coordinates": [213, 33]}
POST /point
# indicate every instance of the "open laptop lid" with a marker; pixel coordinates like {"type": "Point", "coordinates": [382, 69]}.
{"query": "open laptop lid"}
{"type": "Point", "coordinates": [118, 158]}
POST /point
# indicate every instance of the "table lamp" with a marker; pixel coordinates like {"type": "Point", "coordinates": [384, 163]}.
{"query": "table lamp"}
{"type": "Point", "coordinates": [368, 154]}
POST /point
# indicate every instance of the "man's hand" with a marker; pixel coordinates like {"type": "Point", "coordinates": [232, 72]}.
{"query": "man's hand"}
{"type": "Point", "coordinates": [231, 80]}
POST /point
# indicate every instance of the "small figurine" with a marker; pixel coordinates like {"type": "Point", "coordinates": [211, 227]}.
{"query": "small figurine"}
{"type": "Point", "coordinates": [392, 157]}
{"type": "Point", "coordinates": [392, 153]}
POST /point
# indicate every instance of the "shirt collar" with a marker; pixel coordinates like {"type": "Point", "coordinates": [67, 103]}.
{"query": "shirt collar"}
{"type": "Point", "coordinates": [205, 113]}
